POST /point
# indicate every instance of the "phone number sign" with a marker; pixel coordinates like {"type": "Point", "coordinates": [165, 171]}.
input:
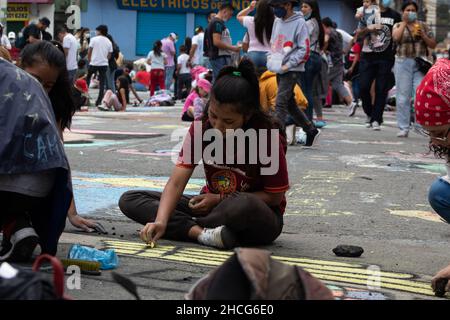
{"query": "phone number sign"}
{"type": "Point", "coordinates": [18, 12]}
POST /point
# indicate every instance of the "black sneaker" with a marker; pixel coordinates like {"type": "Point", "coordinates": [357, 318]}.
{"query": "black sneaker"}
{"type": "Point", "coordinates": [5, 246]}
{"type": "Point", "coordinates": [311, 137]}
{"type": "Point", "coordinates": [20, 245]}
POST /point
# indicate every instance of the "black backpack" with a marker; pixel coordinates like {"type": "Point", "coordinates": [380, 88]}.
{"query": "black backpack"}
{"type": "Point", "coordinates": [33, 285]}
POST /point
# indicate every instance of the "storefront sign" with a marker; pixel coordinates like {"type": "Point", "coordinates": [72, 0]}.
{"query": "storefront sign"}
{"type": "Point", "coordinates": [194, 6]}
{"type": "Point", "coordinates": [74, 19]}
{"type": "Point", "coordinates": [18, 12]}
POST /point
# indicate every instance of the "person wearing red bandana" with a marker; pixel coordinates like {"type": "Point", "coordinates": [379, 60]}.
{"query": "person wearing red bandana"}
{"type": "Point", "coordinates": [433, 114]}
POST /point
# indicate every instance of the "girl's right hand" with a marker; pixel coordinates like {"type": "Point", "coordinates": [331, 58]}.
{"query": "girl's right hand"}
{"type": "Point", "coordinates": [153, 231]}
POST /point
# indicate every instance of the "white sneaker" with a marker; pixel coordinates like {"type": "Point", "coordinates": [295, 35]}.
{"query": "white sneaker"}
{"type": "Point", "coordinates": [376, 126]}
{"type": "Point", "coordinates": [352, 109]}
{"type": "Point", "coordinates": [290, 135]}
{"type": "Point", "coordinates": [368, 125]}
{"type": "Point", "coordinates": [219, 237]}
{"type": "Point", "coordinates": [403, 134]}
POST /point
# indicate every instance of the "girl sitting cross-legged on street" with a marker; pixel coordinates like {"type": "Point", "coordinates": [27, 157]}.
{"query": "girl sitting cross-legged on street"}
{"type": "Point", "coordinates": [244, 201]}
{"type": "Point", "coordinates": [119, 100]}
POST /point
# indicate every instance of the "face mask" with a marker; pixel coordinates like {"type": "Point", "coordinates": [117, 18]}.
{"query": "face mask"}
{"type": "Point", "coordinates": [412, 16]}
{"type": "Point", "coordinates": [307, 16]}
{"type": "Point", "coordinates": [386, 3]}
{"type": "Point", "coordinates": [279, 12]}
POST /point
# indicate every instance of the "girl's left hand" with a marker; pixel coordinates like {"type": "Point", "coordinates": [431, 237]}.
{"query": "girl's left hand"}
{"type": "Point", "coordinates": [204, 203]}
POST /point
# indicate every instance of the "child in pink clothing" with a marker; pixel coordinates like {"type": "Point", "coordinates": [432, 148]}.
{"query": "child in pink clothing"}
{"type": "Point", "coordinates": [203, 89]}
{"type": "Point", "coordinates": [188, 109]}
{"type": "Point", "coordinates": [196, 101]}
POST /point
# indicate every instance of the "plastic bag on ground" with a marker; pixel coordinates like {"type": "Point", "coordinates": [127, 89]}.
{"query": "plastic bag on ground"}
{"type": "Point", "coordinates": [107, 258]}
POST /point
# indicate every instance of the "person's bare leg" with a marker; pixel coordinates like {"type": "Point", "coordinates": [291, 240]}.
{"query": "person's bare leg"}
{"type": "Point", "coordinates": [190, 112]}
{"type": "Point", "coordinates": [194, 232]}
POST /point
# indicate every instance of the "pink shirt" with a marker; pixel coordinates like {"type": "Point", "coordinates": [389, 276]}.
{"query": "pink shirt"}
{"type": "Point", "coordinates": [190, 100]}
{"type": "Point", "coordinates": [255, 45]}
{"type": "Point", "coordinates": [168, 48]}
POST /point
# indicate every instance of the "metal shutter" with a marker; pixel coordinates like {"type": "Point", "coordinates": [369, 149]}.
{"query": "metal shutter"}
{"type": "Point", "coordinates": [152, 26]}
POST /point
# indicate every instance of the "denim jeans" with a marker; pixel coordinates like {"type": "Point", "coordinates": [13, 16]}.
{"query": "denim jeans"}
{"type": "Point", "coordinates": [312, 69]}
{"type": "Point", "coordinates": [72, 74]}
{"type": "Point", "coordinates": [285, 103]}
{"type": "Point", "coordinates": [259, 58]}
{"type": "Point", "coordinates": [407, 79]}
{"type": "Point", "coordinates": [140, 87]}
{"type": "Point", "coordinates": [218, 63]}
{"type": "Point", "coordinates": [439, 198]}
{"type": "Point", "coordinates": [110, 81]}
{"type": "Point", "coordinates": [184, 81]}
{"type": "Point", "coordinates": [169, 76]}
{"type": "Point", "coordinates": [379, 70]}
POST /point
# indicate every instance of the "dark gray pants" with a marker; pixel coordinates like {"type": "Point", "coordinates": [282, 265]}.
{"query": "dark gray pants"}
{"type": "Point", "coordinates": [102, 79]}
{"type": "Point", "coordinates": [286, 105]}
{"type": "Point", "coordinates": [184, 81]}
{"type": "Point", "coordinates": [251, 219]}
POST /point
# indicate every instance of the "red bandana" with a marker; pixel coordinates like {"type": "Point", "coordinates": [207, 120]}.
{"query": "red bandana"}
{"type": "Point", "coordinates": [433, 96]}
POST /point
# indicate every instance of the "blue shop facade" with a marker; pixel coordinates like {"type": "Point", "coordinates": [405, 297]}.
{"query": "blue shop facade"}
{"type": "Point", "coordinates": [137, 24]}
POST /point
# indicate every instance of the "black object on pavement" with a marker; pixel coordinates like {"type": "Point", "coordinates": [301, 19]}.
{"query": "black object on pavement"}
{"type": "Point", "coordinates": [348, 251]}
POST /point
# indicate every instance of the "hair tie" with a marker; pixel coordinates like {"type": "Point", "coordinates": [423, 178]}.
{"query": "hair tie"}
{"type": "Point", "coordinates": [237, 73]}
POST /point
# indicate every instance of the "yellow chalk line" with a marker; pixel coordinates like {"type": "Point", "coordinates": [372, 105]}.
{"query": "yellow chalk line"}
{"type": "Point", "coordinates": [384, 285]}
{"type": "Point", "coordinates": [353, 270]}
{"type": "Point", "coordinates": [316, 264]}
{"type": "Point", "coordinates": [356, 276]}
{"type": "Point", "coordinates": [139, 246]}
{"type": "Point", "coordinates": [229, 253]}
{"type": "Point", "coordinates": [339, 272]}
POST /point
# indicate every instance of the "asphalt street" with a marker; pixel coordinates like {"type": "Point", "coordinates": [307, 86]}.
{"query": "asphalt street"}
{"type": "Point", "coordinates": [355, 187]}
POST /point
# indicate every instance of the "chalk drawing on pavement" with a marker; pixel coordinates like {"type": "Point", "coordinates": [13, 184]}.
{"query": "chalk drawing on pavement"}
{"type": "Point", "coordinates": [348, 293]}
{"type": "Point", "coordinates": [328, 271]}
{"type": "Point", "coordinates": [317, 189]}
{"type": "Point", "coordinates": [115, 133]}
{"type": "Point", "coordinates": [169, 127]}
{"type": "Point", "coordinates": [424, 215]}
{"type": "Point", "coordinates": [156, 153]}
{"type": "Point", "coordinates": [392, 143]}
{"type": "Point", "coordinates": [92, 143]}
{"type": "Point", "coordinates": [99, 192]}
{"type": "Point", "coordinates": [393, 163]}
{"type": "Point", "coordinates": [369, 197]}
